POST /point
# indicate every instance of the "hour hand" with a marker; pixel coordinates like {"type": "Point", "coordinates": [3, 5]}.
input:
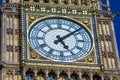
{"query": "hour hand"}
{"type": "Point", "coordinates": [58, 39]}
{"type": "Point", "coordinates": [61, 41]}
{"type": "Point", "coordinates": [64, 45]}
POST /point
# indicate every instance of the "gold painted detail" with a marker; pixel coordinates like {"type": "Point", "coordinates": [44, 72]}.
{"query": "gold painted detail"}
{"type": "Point", "coordinates": [58, 11]}
{"type": "Point", "coordinates": [60, 65]}
{"type": "Point", "coordinates": [34, 17]}
{"type": "Point", "coordinates": [33, 55]}
{"type": "Point", "coordinates": [90, 59]}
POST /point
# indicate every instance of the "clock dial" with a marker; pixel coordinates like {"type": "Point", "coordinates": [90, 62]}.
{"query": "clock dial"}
{"type": "Point", "coordinates": [60, 39]}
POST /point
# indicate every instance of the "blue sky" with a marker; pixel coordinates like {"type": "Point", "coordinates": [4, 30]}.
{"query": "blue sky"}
{"type": "Point", "coordinates": [115, 7]}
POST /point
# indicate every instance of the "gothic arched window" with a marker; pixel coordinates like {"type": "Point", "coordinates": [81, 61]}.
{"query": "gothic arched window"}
{"type": "Point", "coordinates": [84, 2]}
{"type": "Point", "coordinates": [52, 75]}
{"type": "Point", "coordinates": [36, 0]}
{"type": "Point", "coordinates": [29, 74]}
{"type": "Point", "coordinates": [7, 1]}
{"type": "Point", "coordinates": [85, 76]}
{"type": "Point", "coordinates": [63, 76]}
{"type": "Point", "coordinates": [96, 77]}
{"type": "Point", "coordinates": [41, 75]}
{"type": "Point", "coordinates": [55, 1]}
{"type": "Point", "coordinates": [74, 76]}
{"type": "Point", "coordinates": [46, 1]}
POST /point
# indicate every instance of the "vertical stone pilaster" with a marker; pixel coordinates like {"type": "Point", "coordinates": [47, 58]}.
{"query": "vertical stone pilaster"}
{"type": "Point", "coordinates": [69, 73]}
{"type": "Point", "coordinates": [108, 4]}
{"type": "Point", "coordinates": [91, 75]}
{"type": "Point", "coordinates": [50, 1]}
{"type": "Point", "coordinates": [60, 1]}
{"type": "Point", "coordinates": [31, 0]}
{"type": "Point", "coordinates": [35, 73]}
{"type": "Point", "coordinates": [69, 2]}
{"type": "Point", "coordinates": [58, 74]}
{"type": "Point", "coordinates": [13, 18]}
{"type": "Point", "coordinates": [10, 1]}
{"type": "Point", "coordinates": [111, 78]}
{"type": "Point", "coordinates": [102, 77]}
{"type": "Point", "coordinates": [46, 73]}
{"type": "Point", "coordinates": [117, 62]}
{"type": "Point", "coordinates": [24, 73]}
{"type": "Point", "coordinates": [4, 74]}
{"type": "Point", "coordinates": [14, 75]}
{"type": "Point", "coordinates": [79, 73]}
{"type": "Point", "coordinates": [79, 2]}
{"type": "Point", "coordinates": [4, 38]}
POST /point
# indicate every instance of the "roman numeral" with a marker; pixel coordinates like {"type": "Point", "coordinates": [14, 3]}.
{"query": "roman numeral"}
{"type": "Point", "coordinates": [43, 45]}
{"type": "Point", "coordinates": [51, 51]}
{"type": "Point", "coordinates": [80, 40]}
{"type": "Point", "coordinates": [59, 25]}
{"type": "Point", "coordinates": [39, 38]}
{"type": "Point", "coordinates": [79, 48]}
{"type": "Point", "coordinates": [61, 54]}
{"type": "Point", "coordinates": [71, 52]}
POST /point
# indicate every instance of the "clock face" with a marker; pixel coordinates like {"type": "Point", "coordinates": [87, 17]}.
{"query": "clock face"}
{"type": "Point", "coordinates": [60, 39]}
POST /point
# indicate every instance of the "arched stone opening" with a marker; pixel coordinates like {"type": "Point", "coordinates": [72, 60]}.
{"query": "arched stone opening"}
{"type": "Point", "coordinates": [52, 75]}
{"type": "Point", "coordinates": [63, 75]}
{"type": "Point", "coordinates": [41, 75]}
{"type": "Point", "coordinates": [114, 78]}
{"type": "Point", "coordinates": [96, 77]}
{"type": "Point", "coordinates": [85, 76]}
{"type": "Point", "coordinates": [106, 77]}
{"type": "Point", "coordinates": [29, 74]}
{"type": "Point", "coordinates": [74, 76]}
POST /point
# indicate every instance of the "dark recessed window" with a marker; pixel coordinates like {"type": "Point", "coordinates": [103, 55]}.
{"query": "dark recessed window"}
{"type": "Point", "coordinates": [64, 1]}
{"type": "Point", "coordinates": [46, 1]}
{"type": "Point", "coordinates": [36, 0]}
{"type": "Point", "coordinates": [84, 2]}
{"type": "Point", "coordinates": [55, 1]}
{"type": "Point", "coordinates": [26, 0]}
{"type": "Point", "coordinates": [7, 1]}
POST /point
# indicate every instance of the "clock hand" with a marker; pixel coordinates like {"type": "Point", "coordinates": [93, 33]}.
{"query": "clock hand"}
{"type": "Point", "coordinates": [61, 41]}
{"type": "Point", "coordinates": [66, 36]}
{"type": "Point", "coordinates": [64, 45]}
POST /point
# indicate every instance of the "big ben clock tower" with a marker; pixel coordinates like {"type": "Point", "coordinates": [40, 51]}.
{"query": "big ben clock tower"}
{"type": "Point", "coordinates": [58, 40]}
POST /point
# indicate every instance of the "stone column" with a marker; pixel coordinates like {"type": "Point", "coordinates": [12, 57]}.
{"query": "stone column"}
{"type": "Point", "coordinates": [50, 1]}
{"type": "Point", "coordinates": [10, 1]}
{"type": "Point", "coordinates": [79, 73]}
{"type": "Point", "coordinates": [14, 74]}
{"type": "Point", "coordinates": [35, 73]}
{"type": "Point", "coordinates": [69, 73]}
{"type": "Point", "coordinates": [91, 75]}
{"type": "Point", "coordinates": [79, 2]}
{"type": "Point", "coordinates": [24, 73]}
{"type": "Point", "coordinates": [31, 0]}
{"type": "Point", "coordinates": [46, 74]}
{"type": "Point", "coordinates": [108, 4]}
{"type": "Point", "coordinates": [111, 77]}
{"type": "Point", "coordinates": [41, 1]}
{"type": "Point", "coordinates": [4, 74]}
{"type": "Point", "coordinates": [60, 1]}
{"type": "Point", "coordinates": [13, 24]}
{"type": "Point", "coordinates": [102, 77]}
{"type": "Point", "coordinates": [69, 2]}
{"type": "Point", "coordinates": [58, 74]}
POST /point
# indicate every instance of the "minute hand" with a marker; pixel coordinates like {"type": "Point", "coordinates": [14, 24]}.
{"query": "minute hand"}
{"type": "Point", "coordinates": [66, 36]}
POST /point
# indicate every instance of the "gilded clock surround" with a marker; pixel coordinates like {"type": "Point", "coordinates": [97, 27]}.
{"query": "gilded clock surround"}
{"type": "Point", "coordinates": [32, 55]}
